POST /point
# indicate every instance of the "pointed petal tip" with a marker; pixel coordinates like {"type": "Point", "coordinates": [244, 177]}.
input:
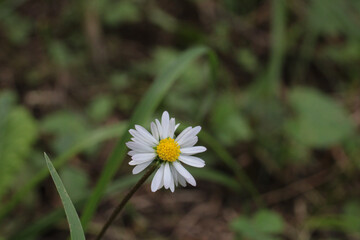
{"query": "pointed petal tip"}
{"type": "Point", "coordinates": [192, 182]}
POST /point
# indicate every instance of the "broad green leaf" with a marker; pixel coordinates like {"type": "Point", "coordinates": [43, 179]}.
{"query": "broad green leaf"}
{"type": "Point", "coordinates": [268, 222]}
{"type": "Point", "coordinates": [319, 121]}
{"type": "Point", "coordinates": [117, 12]}
{"type": "Point", "coordinates": [18, 132]}
{"type": "Point", "coordinates": [67, 127]}
{"type": "Point", "coordinates": [76, 230]}
{"type": "Point", "coordinates": [101, 107]}
{"type": "Point", "coordinates": [351, 217]}
{"type": "Point", "coordinates": [334, 17]}
{"type": "Point", "coordinates": [227, 123]}
{"type": "Point", "coordinates": [19, 34]}
{"type": "Point", "coordinates": [264, 225]}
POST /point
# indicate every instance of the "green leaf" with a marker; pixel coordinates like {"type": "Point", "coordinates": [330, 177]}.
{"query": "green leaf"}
{"type": "Point", "coordinates": [142, 113]}
{"type": "Point", "coordinates": [19, 34]}
{"type": "Point", "coordinates": [334, 17]}
{"type": "Point", "coordinates": [18, 132]}
{"type": "Point", "coordinates": [76, 230]}
{"type": "Point", "coordinates": [264, 225]}
{"type": "Point", "coordinates": [101, 107]}
{"type": "Point", "coordinates": [117, 12]}
{"type": "Point", "coordinates": [227, 122]}
{"type": "Point", "coordinates": [347, 222]}
{"type": "Point", "coordinates": [91, 139]}
{"type": "Point", "coordinates": [268, 221]}
{"type": "Point", "coordinates": [351, 217]}
{"type": "Point", "coordinates": [67, 127]}
{"type": "Point", "coordinates": [319, 121]}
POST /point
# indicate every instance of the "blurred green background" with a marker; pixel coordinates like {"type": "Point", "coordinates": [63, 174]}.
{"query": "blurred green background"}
{"type": "Point", "coordinates": [275, 85]}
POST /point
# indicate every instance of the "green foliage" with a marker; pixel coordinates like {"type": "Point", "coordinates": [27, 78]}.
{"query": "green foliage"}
{"type": "Point", "coordinates": [335, 16]}
{"type": "Point", "coordinates": [59, 53]}
{"type": "Point", "coordinates": [90, 140]}
{"type": "Point", "coordinates": [264, 225]}
{"type": "Point", "coordinates": [19, 34]}
{"type": "Point", "coordinates": [76, 230]}
{"type": "Point", "coordinates": [227, 122]}
{"type": "Point", "coordinates": [67, 127]}
{"type": "Point", "coordinates": [18, 131]}
{"type": "Point", "coordinates": [319, 121]}
{"type": "Point", "coordinates": [75, 181]}
{"type": "Point", "coordinates": [101, 107]}
{"type": "Point", "coordinates": [247, 59]}
{"type": "Point", "coordinates": [347, 221]}
{"type": "Point", "coordinates": [116, 12]}
{"type": "Point", "coordinates": [254, 135]}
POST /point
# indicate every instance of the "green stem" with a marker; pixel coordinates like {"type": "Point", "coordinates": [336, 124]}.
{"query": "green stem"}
{"type": "Point", "coordinates": [121, 205]}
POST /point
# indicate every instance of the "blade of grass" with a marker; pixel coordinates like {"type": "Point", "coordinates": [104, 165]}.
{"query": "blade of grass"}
{"type": "Point", "coordinates": [278, 21]}
{"type": "Point", "coordinates": [93, 138]}
{"type": "Point", "coordinates": [76, 230]}
{"type": "Point", "coordinates": [41, 225]}
{"type": "Point", "coordinates": [142, 113]}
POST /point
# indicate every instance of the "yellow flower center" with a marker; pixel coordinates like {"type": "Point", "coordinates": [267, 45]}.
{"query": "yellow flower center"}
{"type": "Point", "coordinates": [168, 150]}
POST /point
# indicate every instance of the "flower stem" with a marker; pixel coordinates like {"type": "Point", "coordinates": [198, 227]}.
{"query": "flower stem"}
{"type": "Point", "coordinates": [127, 198]}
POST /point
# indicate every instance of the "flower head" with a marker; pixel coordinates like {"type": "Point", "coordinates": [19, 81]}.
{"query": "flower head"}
{"type": "Point", "coordinates": [171, 151]}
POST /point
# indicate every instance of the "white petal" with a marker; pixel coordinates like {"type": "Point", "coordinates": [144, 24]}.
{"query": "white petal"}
{"type": "Point", "coordinates": [142, 158]}
{"type": "Point", "coordinates": [189, 135]}
{"type": "Point", "coordinates": [172, 127]}
{"type": "Point", "coordinates": [193, 150]}
{"type": "Point", "coordinates": [139, 147]}
{"type": "Point", "coordinates": [192, 161]}
{"type": "Point", "coordinates": [189, 178]}
{"type": "Point", "coordinates": [165, 124]}
{"type": "Point", "coordinates": [138, 136]}
{"type": "Point", "coordinates": [190, 142]}
{"type": "Point", "coordinates": [140, 167]}
{"type": "Point", "coordinates": [158, 179]}
{"type": "Point", "coordinates": [181, 179]}
{"type": "Point", "coordinates": [167, 176]}
{"type": "Point", "coordinates": [159, 127]}
{"type": "Point", "coordinates": [139, 140]}
{"type": "Point", "coordinates": [154, 131]}
{"type": "Point", "coordinates": [174, 174]}
{"type": "Point", "coordinates": [176, 126]}
{"type": "Point", "coordinates": [172, 184]}
{"type": "Point", "coordinates": [183, 133]}
{"type": "Point", "coordinates": [144, 133]}
{"type": "Point", "coordinates": [132, 153]}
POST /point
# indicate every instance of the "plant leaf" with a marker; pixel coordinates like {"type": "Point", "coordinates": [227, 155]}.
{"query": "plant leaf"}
{"type": "Point", "coordinates": [76, 230]}
{"type": "Point", "coordinates": [319, 121]}
{"type": "Point", "coordinates": [18, 131]}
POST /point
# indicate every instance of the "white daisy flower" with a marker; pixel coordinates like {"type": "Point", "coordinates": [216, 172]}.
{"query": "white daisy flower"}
{"type": "Point", "coordinates": [171, 151]}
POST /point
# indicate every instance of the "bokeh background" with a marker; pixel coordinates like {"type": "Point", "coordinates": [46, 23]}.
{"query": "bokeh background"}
{"type": "Point", "coordinates": [276, 91]}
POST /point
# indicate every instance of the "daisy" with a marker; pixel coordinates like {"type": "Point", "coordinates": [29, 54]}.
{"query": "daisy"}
{"type": "Point", "coordinates": [169, 150]}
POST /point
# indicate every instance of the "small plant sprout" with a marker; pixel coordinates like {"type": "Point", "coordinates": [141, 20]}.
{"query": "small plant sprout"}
{"type": "Point", "coordinates": [162, 148]}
